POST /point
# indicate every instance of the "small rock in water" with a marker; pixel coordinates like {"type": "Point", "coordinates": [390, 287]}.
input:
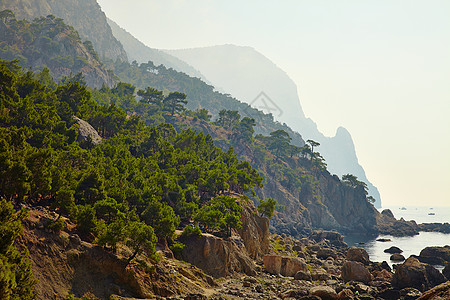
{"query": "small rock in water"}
{"type": "Point", "coordinates": [397, 257]}
{"type": "Point", "coordinates": [393, 250]}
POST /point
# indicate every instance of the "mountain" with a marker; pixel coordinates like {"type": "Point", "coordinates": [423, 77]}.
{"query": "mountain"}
{"type": "Point", "coordinates": [85, 16]}
{"type": "Point", "coordinates": [49, 42]}
{"type": "Point", "coordinates": [229, 67]}
{"type": "Point", "coordinates": [139, 52]}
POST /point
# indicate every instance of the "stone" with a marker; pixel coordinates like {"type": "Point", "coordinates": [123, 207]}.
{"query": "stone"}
{"type": "Point", "coordinates": [345, 294]}
{"type": "Point", "coordinates": [284, 265]}
{"type": "Point", "coordinates": [353, 270]}
{"type": "Point", "coordinates": [446, 271]}
{"type": "Point", "coordinates": [87, 133]}
{"type": "Point", "coordinates": [358, 254]}
{"type": "Point", "coordinates": [397, 257]}
{"type": "Point", "coordinates": [413, 273]}
{"type": "Point", "coordinates": [410, 293]}
{"type": "Point", "coordinates": [389, 294]}
{"type": "Point", "coordinates": [442, 252]}
{"type": "Point", "coordinates": [195, 297]}
{"type": "Point", "coordinates": [303, 275]}
{"type": "Point", "coordinates": [335, 238]}
{"type": "Point", "coordinates": [324, 292]}
{"type": "Point", "coordinates": [324, 253]}
{"type": "Point", "coordinates": [383, 275]}
{"type": "Point", "coordinates": [439, 292]}
{"type": "Point", "coordinates": [393, 250]}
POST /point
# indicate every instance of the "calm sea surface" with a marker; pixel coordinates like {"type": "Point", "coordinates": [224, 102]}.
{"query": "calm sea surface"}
{"type": "Point", "coordinates": [409, 245]}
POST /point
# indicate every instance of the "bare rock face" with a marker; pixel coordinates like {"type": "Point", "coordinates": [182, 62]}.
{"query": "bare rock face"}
{"type": "Point", "coordinates": [413, 273]}
{"type": "Point", "coordinates": [218, 257]}
{"type": "Point", "coordinates": [86, 132]}
{"type": "Point", "coordinates": [358, 254]}
{"type": "Point", "coordinates": [353, 270]}
{"type": "Point", "coordinates": [254, 232]}
{"type": "Point", "coordinates": [284, 265]}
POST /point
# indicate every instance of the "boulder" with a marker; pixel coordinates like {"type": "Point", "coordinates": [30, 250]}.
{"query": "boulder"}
{"type": "Point", "coordinates": [413, 273]}
{"type": "Point", "coordinates": [410, 293]}
{"type": "Point", "coordinates": [324, 292]}
{"type": "Point", "coordinates": [346, 294]}
{"type": "Point", "coordinates": [441, 253]}
{"type": "Point", "coordinates": [284, 265]}
{"type": "Point", "coordinates": [397, 257]}
{"type": "Point", "coordinates": [303, 275]}
{"type": "Point", "coordinates": [439, 292]}
{"type": "Point", "coordinates": [358, 254]}
{"type": "Point", "coordinates": [336, 239]}
{"type": "Point", "coordinates": [324, 253]}
{"type": "Point", "coordinates": [353, 270]}
{"type": "Point", "coordinates": [216, 256]}
{"type": "Point", "coordinates": [393, 250]}
{"type": "Point", "coordinates": [87, 133]}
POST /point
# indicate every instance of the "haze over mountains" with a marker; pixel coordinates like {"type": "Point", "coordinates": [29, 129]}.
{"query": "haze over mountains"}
{"type": "Point", "coordinates": [230, 66]}
{"type": "Point", "coordinates": [227, 67]}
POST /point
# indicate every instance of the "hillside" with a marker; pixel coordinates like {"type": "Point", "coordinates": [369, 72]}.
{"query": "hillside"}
{"type": "Point", "coordinates": [49, 42]}
{"type": "Point", "coordinates": [84, 16]}
{"type": "Point", "coordinates": [228, 66]}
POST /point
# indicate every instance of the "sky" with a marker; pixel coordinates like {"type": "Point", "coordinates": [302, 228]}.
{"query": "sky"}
{"type": "Point", "coordinates": [379, 68]}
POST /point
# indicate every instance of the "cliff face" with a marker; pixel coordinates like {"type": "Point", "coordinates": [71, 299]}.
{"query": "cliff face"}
{"type": "Point", "coordinates": [85, 16]}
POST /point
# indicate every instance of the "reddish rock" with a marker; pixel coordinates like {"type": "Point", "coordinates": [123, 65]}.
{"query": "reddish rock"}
{"type": "Point", "coordinates": [413, 273]}
{"type": "Point", "coordinates": [324, 292]}
{"type": "Point", "coordinates": [358, 254]}
{"type": "Point", "coordinates": [345, 294]}
{"type": "Point", "coordinates": [353, 270]}
{"type": "Point", "coordinates": [284, 265]}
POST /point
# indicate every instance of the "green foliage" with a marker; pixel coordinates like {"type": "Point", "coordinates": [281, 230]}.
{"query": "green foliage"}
{"type": "Point", "coordinates": [16, 278]}
{"type": "Point", "coordinates": [161, 217]}
{"type": "Point", "coordinates": [266, 208]}
{"type": "Point", "coordinates": [141, 237]}
{"type": "Point", "coordinates": [352, 180]}
{"type": "Point", "coordinates": [177, 248]}
{"type": "Point", "coordinates": [221, 212]}
{"type": "Point", "coordinates": [189, 231]}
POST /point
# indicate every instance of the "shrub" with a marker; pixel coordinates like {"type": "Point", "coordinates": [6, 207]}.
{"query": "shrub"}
{"type": "Point", "coordinates": [189, 231]}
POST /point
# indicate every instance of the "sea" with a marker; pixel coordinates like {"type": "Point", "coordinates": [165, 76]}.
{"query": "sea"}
{"type": "Point", "coordinates": [409, 245]}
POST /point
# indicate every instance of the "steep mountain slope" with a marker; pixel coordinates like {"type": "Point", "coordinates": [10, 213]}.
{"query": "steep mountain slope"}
{"type": "Point", "coordinates": [48, 42]}
{"type": "Point", "coordinates": [85, 16]}
{"type": "Point", "coordinates": [141, 53]}
{"type": "Point", "coordinates": [229, 66]}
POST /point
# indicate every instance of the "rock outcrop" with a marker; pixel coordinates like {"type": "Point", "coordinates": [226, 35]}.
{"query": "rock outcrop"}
{"type": "Point", "coordinates": [216, 256]}
{"type": "Point", "coordinates": [284, 265]}
{"type": "Point", "coordinates": [413, 273]}
{"type": "Point", "coordinates": [87, 133]}
{"type": "Point", "coordinates": [254, 231]}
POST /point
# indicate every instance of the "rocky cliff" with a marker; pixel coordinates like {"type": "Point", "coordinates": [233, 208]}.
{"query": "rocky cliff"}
{"type": "Point", "coordinates": [85, 16]}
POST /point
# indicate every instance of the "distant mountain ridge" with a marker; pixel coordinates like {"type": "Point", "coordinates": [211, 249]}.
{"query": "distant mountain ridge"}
{"type": "Point", "coordinates": [138, 51]}
{"type": "Point", "coordinates": [229, 66]}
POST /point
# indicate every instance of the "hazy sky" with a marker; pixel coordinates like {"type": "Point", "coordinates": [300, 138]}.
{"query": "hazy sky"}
{"type": "Point", "coordinates": [379, 68]}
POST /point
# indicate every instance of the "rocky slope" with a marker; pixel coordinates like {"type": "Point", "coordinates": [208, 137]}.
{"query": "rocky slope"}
{"type": "Point", "coordinates": [228, 66]}
{"type": "Point", "coordinates": [49, 42]}
{"type": "Point", "coordinates": [319, 267]}
{"type": "Point", "coordinates": [85, 16]}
